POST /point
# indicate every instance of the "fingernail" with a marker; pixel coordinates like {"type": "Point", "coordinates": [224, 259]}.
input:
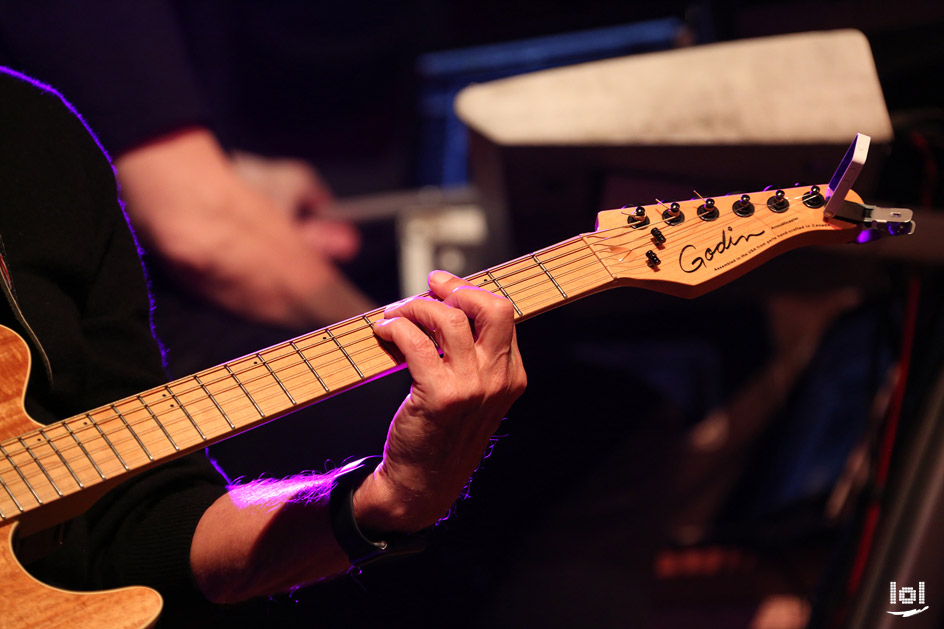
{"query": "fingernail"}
{"type": "Point", "coordinates": [438, 277]}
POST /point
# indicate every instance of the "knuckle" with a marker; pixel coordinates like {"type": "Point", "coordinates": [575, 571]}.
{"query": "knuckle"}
{"type": "Point", "coordinates": [520, 382]}
{"type": "Point", "coordinates": [502, 308]}
{"type": "Point", "coordinates": [455, 318]}
{"type": "Point", "coordinates": [419, 342]}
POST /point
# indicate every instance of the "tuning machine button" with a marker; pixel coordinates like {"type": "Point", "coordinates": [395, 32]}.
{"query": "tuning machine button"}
{"type": "Point", "coordinates": [673, 215]}
{"type": "Point", "coordinates": [637, 218]}
{"type": "Point", "coordinates": [743, 206]}
{"type": "Point", "coordinates": [779, 202]}
{"type": "Point", "coordinates": [813, 199]}
{"type": "Point", "coordinates": [707, 211]}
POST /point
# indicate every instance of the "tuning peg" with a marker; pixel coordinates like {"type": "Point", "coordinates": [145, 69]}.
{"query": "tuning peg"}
{"type": "Point", "coordinates": [673, 214]}
{"type": "Point", "coordinates": [813, 198]}
{"type": "Point", "coordinates": [743, 206]}
{"type": "Point", "coordinates": [779, 202]}
{"type": "Point", "coordinates": [637, 218]}
{"type": "Point", "coordinates": [707, 210]}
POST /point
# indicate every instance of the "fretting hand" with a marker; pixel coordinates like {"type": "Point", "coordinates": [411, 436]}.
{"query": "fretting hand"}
{"type": "Point", "coordinates": [457, 401]}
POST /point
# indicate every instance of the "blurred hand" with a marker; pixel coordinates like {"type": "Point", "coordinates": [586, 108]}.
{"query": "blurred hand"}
{"type": "Point", "coordinates": [296, 187]}
{"type": "Point", "coordinates": [457, 401]}
{"type": "Point", "coordinates": [228, 242]}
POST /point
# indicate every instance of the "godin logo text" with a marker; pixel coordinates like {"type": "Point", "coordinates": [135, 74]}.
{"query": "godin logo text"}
{"type": "Point", "coordinates": [907, 596]}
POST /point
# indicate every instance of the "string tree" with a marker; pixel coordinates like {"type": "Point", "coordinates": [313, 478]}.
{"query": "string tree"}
{"type": "Point", "coordinates": [652, 259]}
{"type": "Point", "coordinates": [658, 237]}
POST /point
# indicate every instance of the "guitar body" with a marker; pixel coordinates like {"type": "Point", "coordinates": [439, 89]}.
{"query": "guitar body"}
{"type": "Point", "coordinates": [24, 601]}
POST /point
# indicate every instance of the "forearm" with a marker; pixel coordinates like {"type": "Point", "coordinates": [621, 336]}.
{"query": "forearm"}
{"type": "Point", "coordinates": [224, 239]}
{"type": "Point", "coordinates": [268, 536]}
{"type": "Point", "coordinates": [264, 538]}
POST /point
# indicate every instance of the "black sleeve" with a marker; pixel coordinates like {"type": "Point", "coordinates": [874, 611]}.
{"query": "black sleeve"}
{"type": "Point", "coordinates": [123, 64]}
{"type": "Point", "coordinates": [79, 282]}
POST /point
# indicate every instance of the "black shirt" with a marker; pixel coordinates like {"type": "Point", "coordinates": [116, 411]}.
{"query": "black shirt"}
{"type": "Point", "coordinates": [78, 280]}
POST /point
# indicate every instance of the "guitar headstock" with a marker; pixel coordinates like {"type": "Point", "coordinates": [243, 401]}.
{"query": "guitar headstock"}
{"type": "Point", "coordinates": [688, 248]}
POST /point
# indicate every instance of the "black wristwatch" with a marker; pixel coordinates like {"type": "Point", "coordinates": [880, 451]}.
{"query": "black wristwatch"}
{"type": "Point", "coordinates": [360, 549]}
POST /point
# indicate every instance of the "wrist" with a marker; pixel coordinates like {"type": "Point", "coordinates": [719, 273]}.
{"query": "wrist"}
{"type": "Point", "coordinates": [379, 508]}
{"type": "Point", "coordinates": [363, 526]}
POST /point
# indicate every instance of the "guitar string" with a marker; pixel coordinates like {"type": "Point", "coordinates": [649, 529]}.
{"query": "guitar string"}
{"type": "Point", "coordinates": [84, 468]}
{"type": "Point", "coordinates": [83, 460]}
{"type": "Point", "coordinates": [525, 258]}
{"type": "Point", "coordinates": [766, 221]}
{"type": "Point", "coordinates": [520, 297]}
{"type": "Point", "coordinates": [106, 450]}
{"type": "Point", "coordinates": [276, 358]}
{"type": "Point", "coordinates": [322, 342]}
{"type": "Point", "coordinates": [147, 421]}
{"type": "Point", "coordinates": [155, 425]}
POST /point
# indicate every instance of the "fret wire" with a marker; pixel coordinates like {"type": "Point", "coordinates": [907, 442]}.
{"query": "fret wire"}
{"type": "Point", "coordinates": [40, 466]}
{"type": "Point", "coordinates": [549, 300]}
{"type": "Point", "coordinates": [528, 277]}
{"type": "Point", "coordinates": [9, 492]}
{"type": "Point", "coordinates": [347, 355]}
{"type": "Point", "coordinates": [342, 364]}
{"type": "Point", "coordinates": [213, 399]}
{"type": "Point", "coordinates": [75, 438]}
{"type": "Point", "coordinates": [108, 441]}
{"type": "Point", "coordinates": [305, 358]}
{"type": "Point", "coordinates": [507, 296]}
{"type": "Point", "coordinates": [349, 358]}
{"type": "Point", "coordinates": [181, 407]}
{"type": "Point", "coordinates": [230, 371]}
{"type": "Point", "coordinates": [163, 429]}
{"type": "Point", "coordinates": [559, 246]}
{"type": "Point", "coordinates": [567, 272]}
{"type": "Point", "coordinates": [507, 265]}
{"type": "Point", "coordinates": [62, 458]}
{"type": "Point", "coordinates": [289, 395]}
{"type": "Point", "coordinates": [133, 433]}
{"type": "Point", "coordinates": [541, 264]}
{"type": "Point", "coordinates": [20, 472]}
{"type": "Point", "coordinates": [344, 351]}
